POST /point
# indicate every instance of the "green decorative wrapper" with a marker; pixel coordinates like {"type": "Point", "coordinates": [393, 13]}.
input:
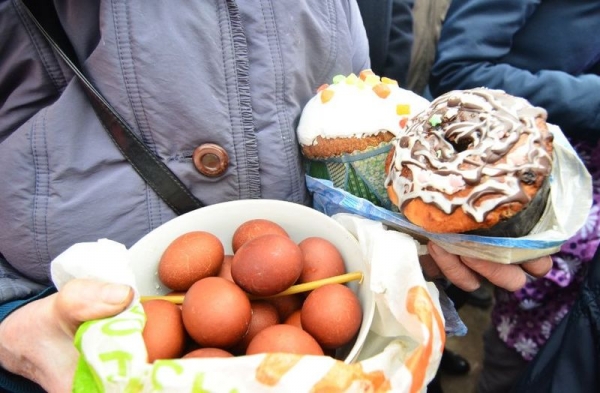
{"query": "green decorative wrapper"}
{"type": "Point", "coordinates": [361, 173]}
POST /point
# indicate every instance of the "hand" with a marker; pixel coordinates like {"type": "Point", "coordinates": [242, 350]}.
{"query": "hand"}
{"type": "Point", "coordinates": [36, 340]}
{"type": "Point", "coordinates": [466, 272]}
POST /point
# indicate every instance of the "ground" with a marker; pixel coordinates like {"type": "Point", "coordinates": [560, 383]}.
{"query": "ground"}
{"type": "Point", "coordinates": [469, 346]}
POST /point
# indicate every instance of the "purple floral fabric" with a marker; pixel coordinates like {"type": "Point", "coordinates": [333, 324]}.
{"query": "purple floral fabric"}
{"type": "Point", "coordinates": [524, 319]}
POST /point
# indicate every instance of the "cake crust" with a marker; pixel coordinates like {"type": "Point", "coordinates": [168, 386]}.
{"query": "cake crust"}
{"type": "Point", "coordinates": [334, 147]}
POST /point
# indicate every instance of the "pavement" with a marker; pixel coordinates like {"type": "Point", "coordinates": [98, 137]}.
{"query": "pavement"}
{"type": "Point", "coordinates": [469, 346]}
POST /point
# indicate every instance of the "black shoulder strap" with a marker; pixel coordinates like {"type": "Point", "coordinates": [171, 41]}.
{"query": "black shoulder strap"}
{"type": "Point", "coordinates": [158, 176]}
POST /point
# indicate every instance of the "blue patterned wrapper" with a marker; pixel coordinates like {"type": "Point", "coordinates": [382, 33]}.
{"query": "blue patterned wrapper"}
{"type": "Point", "coordinates": [361, 173]}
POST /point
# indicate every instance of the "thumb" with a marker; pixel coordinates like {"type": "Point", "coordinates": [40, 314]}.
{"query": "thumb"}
{"type": "Point", "coordinates": [82, 300]}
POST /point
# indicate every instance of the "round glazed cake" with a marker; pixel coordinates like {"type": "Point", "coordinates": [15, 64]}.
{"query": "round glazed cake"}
{"type": "Point", "coordinates": [476, 161]}
{"type": "Point", "coordinates": [346, 129]}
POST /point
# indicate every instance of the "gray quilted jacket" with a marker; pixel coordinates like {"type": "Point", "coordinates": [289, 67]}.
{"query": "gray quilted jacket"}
{"type": "Point", "coordinates": [182, 74]}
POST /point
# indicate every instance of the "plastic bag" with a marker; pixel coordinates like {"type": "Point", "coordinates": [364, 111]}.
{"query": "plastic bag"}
{"type": "Point", "coordinates": [566, 211]}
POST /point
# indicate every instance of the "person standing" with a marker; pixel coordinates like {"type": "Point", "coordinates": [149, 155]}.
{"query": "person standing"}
{"type": "Point", "coordinates": [224, 80]}
{"type": "Point", "coordinates": [549, 53]}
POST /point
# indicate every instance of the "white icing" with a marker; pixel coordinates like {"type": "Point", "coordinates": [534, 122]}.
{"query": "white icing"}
{"type": "Point", "coordinates": [355, 110]}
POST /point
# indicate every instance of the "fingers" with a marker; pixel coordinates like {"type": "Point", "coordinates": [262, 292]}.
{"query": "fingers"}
{"type": "Point", "coordinates": [50, 323]}
{"type": "Point", "coordinates": [509, 277]}
{"type": "Point", "coordinates": [538, 267]}
{"type": "Point", "coordinates": [453, 268]}
{"type": "Point", "coordinates": [430, 268]}
{"type": "Point", "coordinates": [83, 300]}
{"type": "Point", "coordinates": [35, 345]}
{"type": "Point", "coordinates": [465, 272]}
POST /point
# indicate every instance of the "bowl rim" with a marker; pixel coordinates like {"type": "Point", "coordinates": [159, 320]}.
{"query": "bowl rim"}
{"type": "Point", "coordinates": [149, 247]}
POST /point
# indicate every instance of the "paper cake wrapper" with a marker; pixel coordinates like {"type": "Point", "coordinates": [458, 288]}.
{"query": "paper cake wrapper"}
{"type": "Point", "coordinates": [361, 173]}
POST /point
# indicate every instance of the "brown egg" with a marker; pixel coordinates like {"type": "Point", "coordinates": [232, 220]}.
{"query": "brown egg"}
{"type": "Point", "coordinates": [267, 265]}
{"type": "Point", "coordinates": [287, 304]}
{"type": "Point", "coordinates": [295, 319]}
{"type": "Point", "coordinates": [208, 353]}
{"type": "Point", "coordinates": [225, 271]}
{"type": "Point", "coordinates": [286, 339]}
{"type": "Point", "coordinates": [332, 314]}
{"type": "Point", "coordinates": [164, 333]}
{"type": "Point", "coordinates": [252, 229]}
{"type": "Point", "coordinates": [264, 314]}
{"type": "Point", "coordinates": [189, 258]}
{"type": "Point", "coordinates": [321, 259]}
{"type": "Point", "coordinates": [216, 312]}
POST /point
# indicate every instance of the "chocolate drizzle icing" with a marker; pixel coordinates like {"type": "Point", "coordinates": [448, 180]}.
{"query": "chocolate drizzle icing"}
{"type": "Point", "coordinates": [480, 138]}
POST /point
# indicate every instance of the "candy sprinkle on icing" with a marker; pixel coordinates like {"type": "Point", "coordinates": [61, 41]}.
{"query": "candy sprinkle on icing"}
{"type": "Point", "coordinates": [358, 105]}
{"type": "Point", "coordinates": [351, 79]}
{"type": "Point", "coordinates": [435, 120]}
{"type": "Point", "coordinates": [389, 81]}
{"type": "Point", "coordinates": [403, 109]}
{"type": "Point", "coordinates": [372, 80]}
{"type": "Point", "coordinates": [364, 74]}
{"type": "Point", "coordinates": [327, 95]}
{"type": "Point", "coordinates": [338, 78]}
{"type": "Point", "coordinates": [382, 90]}
{"type": "Point", "coordinates": [322, 87]}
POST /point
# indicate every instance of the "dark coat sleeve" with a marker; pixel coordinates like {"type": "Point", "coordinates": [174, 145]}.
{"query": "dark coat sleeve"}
{"type": "Point", "coordinates": [389, 26]}
{"type": "Point", "coordinates": [476, 39]}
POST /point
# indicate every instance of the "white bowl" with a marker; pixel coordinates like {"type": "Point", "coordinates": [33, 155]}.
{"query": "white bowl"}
{"type": "Point", "coordinates": [222, 219]}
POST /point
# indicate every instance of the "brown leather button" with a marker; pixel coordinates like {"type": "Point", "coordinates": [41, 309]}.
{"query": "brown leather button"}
{"type": "Point", "coordinates": [210, 159]}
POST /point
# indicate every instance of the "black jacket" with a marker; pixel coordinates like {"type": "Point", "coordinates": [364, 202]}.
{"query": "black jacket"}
{"type": "Point", "coordinates": [570, 360]}
{"type": "Point", "coordinates": [389, 26]}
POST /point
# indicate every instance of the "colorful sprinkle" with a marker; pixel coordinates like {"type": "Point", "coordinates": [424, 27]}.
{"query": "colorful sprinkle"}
{"type": "Point", "coordinates": [403, 122]}
{"type": "Point", "coordinates": [372, 80]}
{"type": "Point", "coordinates": [382, 90]}
{"type": "Point", "coordinates": [402, 109]}
{"type": "Point", "coordinates": [435, 120]}
{"type": "Point", "coordinates": [351, 79]}
{"type": "Point", "coordinates": [365, 73]}
{"type": "Point", "coordinates": [326, 95]}
{"type": "Point", "coordinates": [338, 79]}
{"type": "Point", "coordinates": [389, 81]}
{"type": "Point", "coordinates": [322, 87]}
